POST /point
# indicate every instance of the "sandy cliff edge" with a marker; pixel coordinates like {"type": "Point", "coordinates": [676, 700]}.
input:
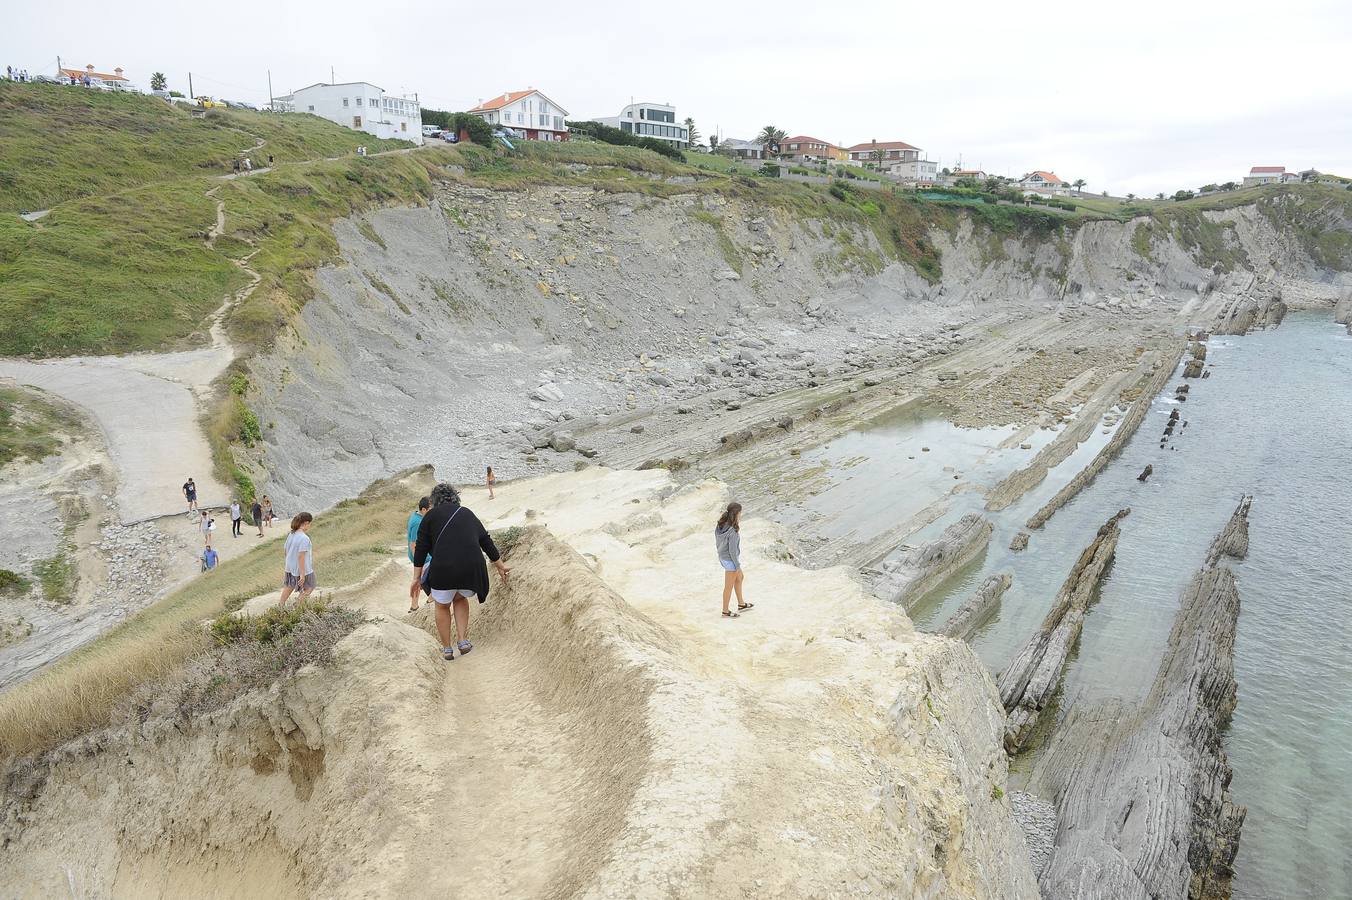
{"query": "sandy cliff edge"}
{"type": "Point", "coordinates": [610, 736]}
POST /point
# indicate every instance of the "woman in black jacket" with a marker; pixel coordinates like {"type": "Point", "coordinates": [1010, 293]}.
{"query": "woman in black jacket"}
{"type": "Point", "coordinates": [457, 541]}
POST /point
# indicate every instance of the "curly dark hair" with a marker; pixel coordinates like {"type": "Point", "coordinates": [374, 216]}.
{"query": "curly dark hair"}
{"type": "Point", "coordinates": [445, 493]}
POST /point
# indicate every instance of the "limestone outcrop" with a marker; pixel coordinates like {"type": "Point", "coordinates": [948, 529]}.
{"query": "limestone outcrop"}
{"type": "Point", "coordinates": [920, 571]}
{"type": "Point", "coordinates": [977, 608]}
{"type": "Point", "coordinates": [1031, 678]}
{"type": "Point", "coordinates": [1244, 314]}
{"type": "Point", "coordinates": [1143, 802]}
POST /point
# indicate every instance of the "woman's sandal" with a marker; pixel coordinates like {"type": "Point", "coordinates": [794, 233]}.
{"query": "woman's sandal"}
{"type": "Point", "coordinates": [741, 606]}
{"type": "Point", "coordinates": [730, 614]}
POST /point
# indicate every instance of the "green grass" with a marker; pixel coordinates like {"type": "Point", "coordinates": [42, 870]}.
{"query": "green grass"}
{"type": "Point", "coordinates": [712, 162]}
{"type": "Point", "coordinates": [60, 143]}
{"type": "Point", "coordinates": [81, 691]}
{"type": "Point", "coordinates": [31, 425]}
{"type": "Point", "coordinates": [12, 584]}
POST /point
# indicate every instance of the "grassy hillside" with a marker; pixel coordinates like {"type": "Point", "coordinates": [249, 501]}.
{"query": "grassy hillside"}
{"type": "Point", "coordinates": [59, 143]}
{"type": "Point", "coordinates": [82, 691]}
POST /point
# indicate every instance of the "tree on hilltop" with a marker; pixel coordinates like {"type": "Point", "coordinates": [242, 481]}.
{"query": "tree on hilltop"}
{"type": "Point", "coordinates": [692, 133]}
{"type": "Point", "coordinates": [771, 135]}
{"type": "Point", "coordinates": [1079, 184]}
{"type": "Point", "coordinates": [713, 143]}
{"type": "Point", "coordinates": [158, 82]}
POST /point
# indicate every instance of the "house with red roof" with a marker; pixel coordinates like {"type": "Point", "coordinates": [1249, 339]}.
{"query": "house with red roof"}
{"type": "Point", "coordinates": [1044, 183]}
{"type": "Point", "coordinates": [529, 113]}
{"type": "Point", "coordinates": [115, 81]}
{"type": "Point", "coordinates": [1267, 175]}
{"type": "Point", "coordinates": [804, 149]}
{"type": "Point", "coordinates": [882, 151]}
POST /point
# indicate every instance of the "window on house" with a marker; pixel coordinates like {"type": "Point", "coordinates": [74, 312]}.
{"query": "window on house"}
{"type": "Point", "coordinates": [558, 123]}
{"type": "Point", "coordinates": [403, 126]}
{"type": "Point", "coordinates": [311, 108]}
{"type": "Point", "coordinates": [344, 101]}
{"type": "Point", "coordinates": [356, 120]}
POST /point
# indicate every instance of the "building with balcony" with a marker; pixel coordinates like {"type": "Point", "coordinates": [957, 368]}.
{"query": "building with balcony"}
{"type": "Point", "coordinates": [654, 120]}
{"type": "Point", "coordinates": [529, 113]}
{"type": "Point", "coordinates": [358, 105]}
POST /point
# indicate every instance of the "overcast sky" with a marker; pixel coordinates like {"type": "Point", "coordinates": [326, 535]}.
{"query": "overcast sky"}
{"type": "Point", "coordinates": [1143, 97]}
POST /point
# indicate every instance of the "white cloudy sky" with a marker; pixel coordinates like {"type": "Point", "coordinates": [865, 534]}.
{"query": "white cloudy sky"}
{"type": "Point", "coordinates": [1143, 97]}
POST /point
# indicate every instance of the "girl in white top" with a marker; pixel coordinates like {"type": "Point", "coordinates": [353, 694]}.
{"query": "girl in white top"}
{"type": "Point", "coordinates": [299, 573]}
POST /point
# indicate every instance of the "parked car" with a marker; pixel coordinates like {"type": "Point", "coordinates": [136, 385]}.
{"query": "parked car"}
{"type": "Point", "coordinates": [210, 103]}
{"type": "Point", "coordinates": [46, 79]}
{"type": "Point", "coordinates": [450, 137]}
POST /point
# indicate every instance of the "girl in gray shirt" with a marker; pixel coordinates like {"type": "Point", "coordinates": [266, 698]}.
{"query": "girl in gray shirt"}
{"type": "Point", "coordinates": [728, 542]}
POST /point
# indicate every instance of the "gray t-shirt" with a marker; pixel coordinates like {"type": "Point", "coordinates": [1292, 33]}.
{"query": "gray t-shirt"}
{"type": "Point", "coordinates": [298, 542]}
{"type": "Point", "coordinates": [729, 543]}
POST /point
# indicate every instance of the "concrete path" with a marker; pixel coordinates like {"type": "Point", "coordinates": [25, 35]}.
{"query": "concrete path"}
{"type": "Point", "coordinates": [147, 409]}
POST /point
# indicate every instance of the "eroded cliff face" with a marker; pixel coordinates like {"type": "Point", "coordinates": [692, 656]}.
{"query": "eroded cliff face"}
{"type": "Point", "coordinates": [452, 332]}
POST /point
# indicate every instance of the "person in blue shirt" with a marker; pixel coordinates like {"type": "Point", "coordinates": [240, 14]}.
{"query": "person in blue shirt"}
{"type": "Point", "coordinates": [414, 521]}
{"type": "Point", "coordinates": [209, 559]}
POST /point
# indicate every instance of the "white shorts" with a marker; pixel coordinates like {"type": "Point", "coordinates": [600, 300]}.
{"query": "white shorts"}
{"type": "Point", "coordinates": [445, 597]}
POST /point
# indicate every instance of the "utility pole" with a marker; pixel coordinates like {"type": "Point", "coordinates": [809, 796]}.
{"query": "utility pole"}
{"type": "Point", "coordinates": [191, 94]}
{"type": "Point", "coordinates": [331, 79]}
{"type": "Point", "coordinates": [58, 66]}
{"type": "Point", "coordinates": [269, 89]}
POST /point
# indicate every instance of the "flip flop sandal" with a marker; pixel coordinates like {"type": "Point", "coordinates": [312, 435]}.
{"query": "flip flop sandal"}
{"type": "Point", "coordinates": [464, 647]}
{"type": "Point", "coordinates": [741, 606]}
{"type": "Point", "coordinates": [413, 609]}
{"type": "Point", "coordinates": [729, 614]}
{"type": "Point", "coordinates": [448, 653]}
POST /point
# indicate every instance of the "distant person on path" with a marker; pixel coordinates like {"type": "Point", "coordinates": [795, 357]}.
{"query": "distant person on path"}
{"type": "Point", "coordinates": [257, 513]}
{"type": "Point", "coordinates": [209, 559]}
{"type": "Point", "coordinates": [492, 480]}
{"type": "Point", "coordinates": [190, 491]}
{"type": "Point", "coordinates": [728, 540]}
{"type": "Point", "coordinates": [299, 574]}
{"type": "Point", "coordinates": [235, 517]}
{"type": "Point", "coordinates": [248, 165]}
{"type": "Point", "coordinates": [414, 521]}
{"type": "Point", "coordinates": [457, 541]}
{"type": "Point", "coordinates": [269, 160]}
{"type": "Point", "coordinates": [268, 514]}
{"type": "Point", "coordinates": [208, 525]}
{"type": "Point", "coordinates": [236, 166]}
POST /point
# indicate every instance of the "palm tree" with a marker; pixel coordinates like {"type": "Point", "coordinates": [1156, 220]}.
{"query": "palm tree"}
{"type": "Point", "coordinates": [692, 133]}
{"type": "Point", "coordinates": [770, 135]}
{"type": "Point", "coordinates": [1160, 195]}
{"type": "Point", "coordinates": [1079, 184]}
{"type": "Point", "coordinates": [1131, 196]}
{"type": "Point", "coordinates": [158, 81]}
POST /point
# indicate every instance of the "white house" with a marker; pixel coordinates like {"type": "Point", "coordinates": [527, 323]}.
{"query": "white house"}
{"type": "Point", "coordinates": [1043, 183]}
{"type": "Point", "coordinates": [358, 105]}
{"type": "Point", "coordinates": [919, 171]}
{"type": "Point", "coordinates": [1265, 175]}
{"type": "Point", "coordinates": [741, 149]}
{"type": "Point", "coordinates": [654, 120]}
{"type": "Point", "coordinates": [527, 112]}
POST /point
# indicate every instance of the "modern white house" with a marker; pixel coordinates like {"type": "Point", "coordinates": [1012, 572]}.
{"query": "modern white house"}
{"type": "Point", "coordinates": [1043, 183]}
{"type": "Point", "coordinates": [358, 105]}
{"type": "Point", "coordinates": [916, 171]}
{"type": "Point", "coordinates": [529, 113]}
{"type": "Point", "coordinates": [654, 120]}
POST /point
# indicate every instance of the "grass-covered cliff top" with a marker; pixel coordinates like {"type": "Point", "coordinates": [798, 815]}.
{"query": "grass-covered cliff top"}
{"type": "Point", "coordinates": [123, 261]}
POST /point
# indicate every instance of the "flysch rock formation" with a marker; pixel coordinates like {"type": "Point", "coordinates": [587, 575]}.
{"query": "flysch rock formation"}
{"type": "Point", "coordinates": [1130, 422]}
{"type": "Point", "coordinates": [1030, 680]}
{"type": "Point", "coordinates": [607, 738]}
{"type": "Point", "coordinates": [977, 608]}
{"type": "Point", "coordinates": [906, 580]}
{"type": "Point", "coordinates": [1244, 314]}
{"type": "Point", "coordinates": [1142, 794]}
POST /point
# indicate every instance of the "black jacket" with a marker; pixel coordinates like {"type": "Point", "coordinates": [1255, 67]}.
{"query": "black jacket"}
{"type": "Point", "coordinates": [457, 541]}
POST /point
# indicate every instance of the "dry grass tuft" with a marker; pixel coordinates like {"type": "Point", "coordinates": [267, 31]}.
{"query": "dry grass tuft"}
{"type": "Point", "coordinates": [82, 691]}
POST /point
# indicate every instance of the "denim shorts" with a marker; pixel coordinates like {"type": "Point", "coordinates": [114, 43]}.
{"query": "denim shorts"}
{"type": "Point", "coordinates": [302, 584]}
{"type": "Point", "coordinates": [728, 565]}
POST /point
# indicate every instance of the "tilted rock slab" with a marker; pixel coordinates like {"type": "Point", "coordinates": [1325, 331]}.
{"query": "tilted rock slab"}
{"type": "Point", "coordinates": [977, 608]}
{"type": "Point", "coordinates": [925, 567]}
{"type": "Point", "coordinates": [1247, 313]}
{"type": "Point", "coordinates": [1030, 680]}
{"type": "Point", "coordinates": [1144, 807]}
{"type": "Point", "coordinates": [1130, 422]}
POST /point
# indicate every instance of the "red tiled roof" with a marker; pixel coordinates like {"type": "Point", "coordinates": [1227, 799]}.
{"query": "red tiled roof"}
{"type": "Point", "coordinates": [1267, 170]}
{"type": "Point", "coordinates": [1046, 176]}
{"type": "Point", "coordinates": [804, 139]}
{"type": "Point", "coordinates": [882, 145]}
{"type": "Point", "coordinates": [503, 100]}
{"type": "Point", "coordinates": [959, 173]}
{"type": "Point", "coordinates": [102, 76]}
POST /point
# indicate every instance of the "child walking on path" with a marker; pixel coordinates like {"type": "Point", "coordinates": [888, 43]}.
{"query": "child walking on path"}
{"type": "Point", "coordinates": [299, 573]}
{"type": "Point", "coordinates": [235, 518]}
{"type": "Point", "coordinates": [728, 541]}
